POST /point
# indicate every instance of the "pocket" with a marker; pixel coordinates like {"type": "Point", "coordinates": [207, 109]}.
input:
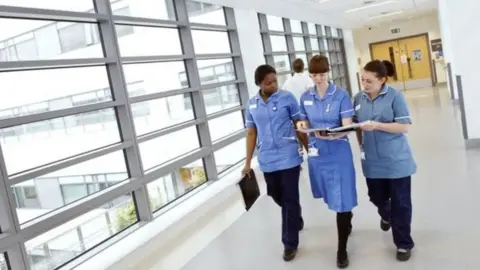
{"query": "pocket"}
{"type": "Point", "coordinates": [394, 149]}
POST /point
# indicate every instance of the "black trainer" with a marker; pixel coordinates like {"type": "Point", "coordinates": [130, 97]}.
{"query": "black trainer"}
{"type": "Point", "coordinates": [302, 224]}
{"type": "Point", "coordinates": [289, 254]}
{"type": "Point", "coordinates": [342, 259]}
{"type": "Point", "coordinates": [403, 255]}
{"type": "Point", "coordinates": [385, 225]}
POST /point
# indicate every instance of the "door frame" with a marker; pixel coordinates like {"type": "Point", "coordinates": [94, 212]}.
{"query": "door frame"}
{"type": "Point", "coordinates": [432, 74]}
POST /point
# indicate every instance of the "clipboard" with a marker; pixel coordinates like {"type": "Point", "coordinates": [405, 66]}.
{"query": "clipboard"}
{"type": "Point", "coordinates": [328, 131]}
{"type": "Point", "coordinates": [250, 189]}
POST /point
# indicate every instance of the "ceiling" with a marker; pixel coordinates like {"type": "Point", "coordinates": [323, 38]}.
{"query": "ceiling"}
{"type": "Point", "coordinates": [361, 13]}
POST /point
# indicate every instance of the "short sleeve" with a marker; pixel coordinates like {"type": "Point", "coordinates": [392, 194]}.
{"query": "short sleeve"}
{"type": "Point", "coordinates": [355, 105]}
{"type": "Point", "coordinates": [294, 108]}
{"type": "Point", "coordinates": [249, 122]}
{"type": "Point", "coordinates": [346, 107]}
{"type": "Point", "coordinates": [303, 112]}
{"type": "Point", "coordinates": [400, 110]}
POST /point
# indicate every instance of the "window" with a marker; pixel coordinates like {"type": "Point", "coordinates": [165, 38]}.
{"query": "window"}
{"type": "Point", "coordinates": [161, 41]}
{"type": "Point", "coordinates": [158, 9]}
{"type": "Point", "coordinates": [275, 23]}
{"type": "Point", "coordinates": [314, 44]}
{"type": "Point", "coordinates": [65, 242]}
{"type": "Point", "coordinates": [221, 98]}
{"type": "Point", "coordinates": [279, 43]}
{"type": "Point", "coordinates": [205, 13]}
{"type": "Point", "coordinates": [282, 63]}
{"type": "Point", "coordinates": [3, 262]}
{"type": "Point", "coordinates": [230, 155]}
{"type": "Point", "coordinates": [202, 42]}
{"type": "Point", "coordinates": [298, 44]}
{"type": "Point", "coordinates": [72, 37]}
{"type": "Point", "coordinates": [225, 125]}
{"type": "Point", "coordinates": [208, 70]}
{"type": "Point", "coordinates": [296, 26]}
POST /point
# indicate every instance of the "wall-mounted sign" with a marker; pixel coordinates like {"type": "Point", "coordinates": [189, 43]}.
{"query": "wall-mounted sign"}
{"type": "Point", "coordinates": [395, 30]}
{"type": "Point", "coordinates": [403, 59]}
{"type": "Point", "coordinates": [417, 55]}
{"type": "Point", "coordinates": [436, 45]}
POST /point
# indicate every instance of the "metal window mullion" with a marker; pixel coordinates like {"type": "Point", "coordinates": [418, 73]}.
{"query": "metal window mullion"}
{"type": "Point", "coordinates": [9, 222]}
{"type": "Point", "coordinates": [290, 43]}
{"type": "Point", "coordinates": [124, 112]}
{"type": "Point", "coordinates": [237, 61]}
{"type": "Point", "coordinates": [197, 96]}
{"type": "Point", "coordinates": [307, 41]}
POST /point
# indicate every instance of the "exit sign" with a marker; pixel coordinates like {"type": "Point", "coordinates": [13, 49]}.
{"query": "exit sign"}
{"type": "Point", "coordinates": [395, 30]}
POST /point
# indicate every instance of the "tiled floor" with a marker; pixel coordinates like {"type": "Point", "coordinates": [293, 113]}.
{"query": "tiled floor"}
{"type": "Point", "coordinates": [446, 225]}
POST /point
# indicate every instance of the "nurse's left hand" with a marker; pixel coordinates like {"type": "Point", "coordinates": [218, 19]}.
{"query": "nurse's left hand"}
{"type": "Point", "coordinates": [370, 126]}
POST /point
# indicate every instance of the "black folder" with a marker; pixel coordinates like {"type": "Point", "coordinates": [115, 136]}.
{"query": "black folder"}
{"type": "Point", "coordinates": [250, 190]}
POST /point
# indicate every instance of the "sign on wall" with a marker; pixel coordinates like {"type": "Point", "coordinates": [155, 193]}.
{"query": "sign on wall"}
{"type": "Point", "coordinates": [395, 30]}
{"type": "Point", "coordinates": [436, 45]}
{"type": "Point", "coordinates": [417, 55]}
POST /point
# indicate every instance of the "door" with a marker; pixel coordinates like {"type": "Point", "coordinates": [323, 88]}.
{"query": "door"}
{"type": "Point", "coordinates": [411, 59]}
{"type": "Point", "coordinates": [417, 71]}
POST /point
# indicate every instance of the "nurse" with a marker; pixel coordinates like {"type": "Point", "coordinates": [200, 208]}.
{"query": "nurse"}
{"type": "Point", "coordinates": [271, 116]}
{"type": "Point", "coordinates": [386, 156]}
{"type": "Point", "coordinates": [330, 159]}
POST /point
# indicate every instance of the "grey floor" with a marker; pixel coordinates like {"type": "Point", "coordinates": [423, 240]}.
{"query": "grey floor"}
{"type": "Point", "coordinates": [445, 198]}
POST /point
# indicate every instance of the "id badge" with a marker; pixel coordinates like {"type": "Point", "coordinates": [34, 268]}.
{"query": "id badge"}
{"type": "Point", "coordinates": [312, 152]}
{"type": "Point", "coordinates": [362, 154]}
{"type": "Point", "coordinates": [300, 152]}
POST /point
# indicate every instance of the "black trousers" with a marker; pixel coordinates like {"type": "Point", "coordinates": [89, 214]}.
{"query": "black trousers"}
{"type": "Point", "coordinates": [282, 186]}
{"type": "Point", "coordinates": [394, 202]}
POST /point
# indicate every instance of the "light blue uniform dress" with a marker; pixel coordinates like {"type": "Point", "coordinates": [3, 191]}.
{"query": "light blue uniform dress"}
{"type": "Point", "coordinates": [332, 173]}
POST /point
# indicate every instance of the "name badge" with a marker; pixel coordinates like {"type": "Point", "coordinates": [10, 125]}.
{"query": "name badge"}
{"type": "Point", "coordinates": [362, 155]}
{"type": "Point", "coordinates": [308, 102]}
{"type": "Point", "coordinates": [253, 106]}
{"type": "Point", "coordinates": [357, 107]}
{"type": "Point", "coordinates": [312, 152]}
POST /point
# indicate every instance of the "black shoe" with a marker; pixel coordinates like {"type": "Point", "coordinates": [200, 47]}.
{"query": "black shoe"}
{"type": "Point", "coordinates": [342, 260]}
{"type": "Point", "coordinates": [385, 225]}
{"type": "Point", "coordinates": [302, 224]}
{"type": "Point", "coordinates": [403, 255]}
{"type": "Point", "coordinates": [289, 254]}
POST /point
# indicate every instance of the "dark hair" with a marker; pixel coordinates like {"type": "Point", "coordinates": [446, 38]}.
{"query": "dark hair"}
{"type": "Point", "coordinates": [262, 71]}
{"type": "Point", "coordinates": [319, 64]}
{"type": "Point", "coordinates": [298, 65]}
{"type": "Point", "coordinates": [382, 69]}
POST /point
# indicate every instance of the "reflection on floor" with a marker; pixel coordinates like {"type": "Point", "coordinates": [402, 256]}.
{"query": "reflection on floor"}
{"type": "Point", "coordinates": [446, 216]}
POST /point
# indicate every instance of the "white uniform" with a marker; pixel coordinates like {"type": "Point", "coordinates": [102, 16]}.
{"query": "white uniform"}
{"type": "Point", "coordinates": [298, 84]}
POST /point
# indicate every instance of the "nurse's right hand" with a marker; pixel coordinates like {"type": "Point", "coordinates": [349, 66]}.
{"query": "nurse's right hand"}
{"type": "Point", "coordinates": [302, 125]}
{"type": "Point", "coordinates": [246, 171]}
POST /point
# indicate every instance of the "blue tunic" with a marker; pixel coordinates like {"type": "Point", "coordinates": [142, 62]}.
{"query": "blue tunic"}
{"type": "Point", "coordinates": [387, 155]}
{"type": "Point", "coordinates": [277, 144]}
{"type": "Point", "coordinates": [332, 173]}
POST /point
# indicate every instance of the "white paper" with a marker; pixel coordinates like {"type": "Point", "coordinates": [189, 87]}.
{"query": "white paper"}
{"type": "Point", "coordinates": [332, 130]}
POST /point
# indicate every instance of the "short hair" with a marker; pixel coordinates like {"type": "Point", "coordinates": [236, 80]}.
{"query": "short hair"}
{"type": "Point", "coordinates": [319, 64]}
{"type": "Point", "coordinates": [382, 69]}
{"type": "Point", "coordinates": [298, 65]}
{"type": "Point", "coordinates": [263, 71]}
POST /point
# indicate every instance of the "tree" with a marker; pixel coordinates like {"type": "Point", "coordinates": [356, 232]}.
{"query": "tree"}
{"type": "Point", "coordinates": [125, 216]}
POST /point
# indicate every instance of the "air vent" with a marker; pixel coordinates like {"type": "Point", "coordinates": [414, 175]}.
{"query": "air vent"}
{"type": "Point", "coordinates": [368, 2]}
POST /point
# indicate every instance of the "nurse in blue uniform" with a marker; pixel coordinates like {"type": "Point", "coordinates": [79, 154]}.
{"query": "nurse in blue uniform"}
{"type": "Point", "coordinates": [271, 116]}
{"type": "Point", "coordinates": [387, 159]}
{"type": "Point", "coordinates": [330, 159]}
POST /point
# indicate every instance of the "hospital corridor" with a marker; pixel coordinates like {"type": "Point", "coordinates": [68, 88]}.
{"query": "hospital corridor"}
{"type": "Point", "coordinates": [444, 194]}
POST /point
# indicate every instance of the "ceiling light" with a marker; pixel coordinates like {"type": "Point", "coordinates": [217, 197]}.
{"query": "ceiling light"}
{"type": "Point", "coordinates": [370, 6]}
{"type": "Point", "coordinates": [385, 15]}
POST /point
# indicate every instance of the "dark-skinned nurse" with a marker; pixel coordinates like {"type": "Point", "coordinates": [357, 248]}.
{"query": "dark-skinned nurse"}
{"type": "Point", "coordinates": [387, 159]}
{"type": "Point", "coordinates": [271, 116]}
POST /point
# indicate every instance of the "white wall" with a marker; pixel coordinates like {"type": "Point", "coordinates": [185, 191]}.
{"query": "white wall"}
{"type": "Point", "coordinates": [351, 60]}
{"type": "Point", "coordinates": [447, 43]}
{"type": "Point", "coordinates": [461, 20]}
{"type": "Point", "coordinates": [363, 36]}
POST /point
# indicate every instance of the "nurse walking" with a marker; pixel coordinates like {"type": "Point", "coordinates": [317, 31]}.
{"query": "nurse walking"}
{"type": "Point", "coordinates": [330, 161]}
{"type": "Point", "coordinates": [271, 116]}
{"type": "Point", "coordinates": [387, 158]}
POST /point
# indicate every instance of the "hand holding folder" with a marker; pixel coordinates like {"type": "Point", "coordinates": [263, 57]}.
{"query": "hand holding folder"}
{"type": "Point", "coordinates": [250, 190]}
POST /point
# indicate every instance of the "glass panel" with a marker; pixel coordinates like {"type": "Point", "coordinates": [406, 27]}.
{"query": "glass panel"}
{"type": "Point", "coordinates": [164, 112]}
{"type": "Point", "coordinates": [225, 125]}
{"type": "Point", "coordinates": [155, 77]}
{"type": "Point", "coordinates": [54, 89]}
{"type": "Point", "coordinates": [216, 70]}
{"type": "Point", "coordinates": [3, 262]}
{"type": "Point", "coordinates": [299, 44]}
{"type": "Point", "coordinates": [325, 44]}
{"type": "Point", "coordinates": [68, 241]}
{"type": "Point", "coordinates": [170, 146]}
{"type": "Point", "coordinates": [334, 32]}
{"type": "Point", "coordinates": [199, 12]}
{"type": "Point", "coordinates": [52, 191]}
{"type": "Point", "coordinates": [151, 40]}
{"type": "Point", "coordinates": [282, 63]}
{"type": "Point", "coordinates": [157, 9]}
{"type": "Point", "coordinates": [41, 39]}
{"type": "Point", "coordinates": [283, 78]}
{"type": "Point", "coordinates": [230, 155]}
{"type": "Point", "coordinates": [221, 98]}
{"type": "Point", "coordinates": [279, 43]}
{"type": "Point", "coordinates": [275, 23]}
{"type": "Point", "coordinates": [174, 185]}
{"type": "Point", "coordinates": [202, 42]}
{"type": "Point", "coordinates": [312, 29]}
{"type": "Point", "coordinates": [52, 139]}
{"type": "Point", "coordinates": [296, 26]}
{"type": "Point", "coordinates": [72, 5]}
{"type": "Point", "coordinates": [314, 44]}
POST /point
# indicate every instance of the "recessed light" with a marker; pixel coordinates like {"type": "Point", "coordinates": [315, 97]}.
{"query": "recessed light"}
{"type": "Point", "coordinates": [386, 15]}
{"type": "Point", "coordinates": [371, 6]}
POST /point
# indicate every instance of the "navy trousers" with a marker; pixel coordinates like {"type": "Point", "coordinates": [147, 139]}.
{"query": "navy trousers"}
{"type": "Point", "coordinates": [282, 186]}
{"type": "Point", "coordinates": [394, 202]}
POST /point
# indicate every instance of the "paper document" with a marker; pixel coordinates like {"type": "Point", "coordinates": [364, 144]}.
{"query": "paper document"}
{"type": "Point", "coordinates": [341, 129]}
